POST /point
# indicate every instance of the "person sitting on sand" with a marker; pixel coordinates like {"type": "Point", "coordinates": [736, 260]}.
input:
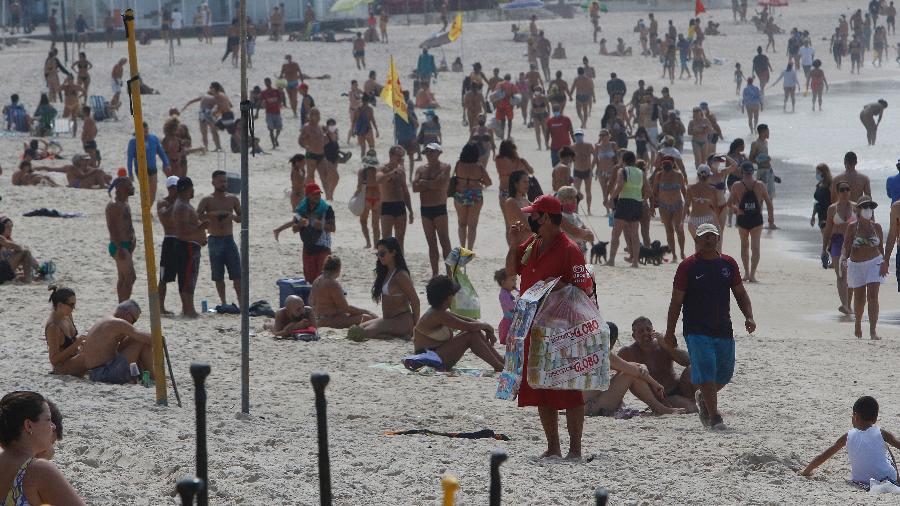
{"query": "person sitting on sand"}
{"type": "Point", "coordinates": [559, 53]}
{"type": "Point", "coordinates": [621, 49]}
{"type": "Point", "coordinates": [80, 174]}
{"type": "Point", "coordinates": [866, 449]}
{"type": "Point", "coordinates": [435, 329]}
{"type": "Point", "coordinates": [457, 65]}
{"type": "Point", "coordinates": [27, 434]}
{"type": "Point", "coordinates": [394, 289]}
{"type": "Point", "coordinates": [113, 343]}
{"type": "Point", "coordinates": [329, 302]}
{"type": "Point", "coordinates": [293, 317]}
{"type": "Point", "coordinates": [14, 257]}
{"type": "Point", "coordinates": [63, 341]}
{"type": "Point", "coordinates": [26, 176]}
{"type": "Point", "coordinates": [650, 349]}
{"type": "Point", "coordinates": [425, 98]}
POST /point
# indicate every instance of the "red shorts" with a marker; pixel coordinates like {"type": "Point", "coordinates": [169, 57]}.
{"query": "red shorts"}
{"type": "Point", "coordinates": [556, 399]}
{"type": "Point", "coordinates": [504, 111]}
{"type": "Point", "coordinates": [313, 265]}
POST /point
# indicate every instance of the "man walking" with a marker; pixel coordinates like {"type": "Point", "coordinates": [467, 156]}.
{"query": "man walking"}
{"type": "Point", "coordinates": [702, 289]}
{"type": "Point", "coordinates": [121, 236]}
{"type": "Point", "coordinates": [221, 210]}
{"type": "Point", "coordinates": [271, 100]}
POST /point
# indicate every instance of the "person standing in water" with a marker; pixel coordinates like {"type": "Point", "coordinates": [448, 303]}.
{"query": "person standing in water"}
{"type": "Point", "coordinates": [867, 117]}
{"type": "Point", "coordinates": [817, 83]}
{"type": "Point", "coordinates": [840, 215]}
{"type": "Point", "coordinates": [746, 200]}
{"type": "Point", "coordinates": [862, 255]}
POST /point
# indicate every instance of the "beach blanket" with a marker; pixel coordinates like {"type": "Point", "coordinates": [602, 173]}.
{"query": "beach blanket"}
{"type": "Point", "coordinates": [481, 434]}
{"type": "Point", "coordinates": [51, 213]}
{"type": "Point", "coordinates": [430, 371]}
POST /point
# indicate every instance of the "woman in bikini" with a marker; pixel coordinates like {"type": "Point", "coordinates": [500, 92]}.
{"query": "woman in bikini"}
{"type": "Point", "coordinates": [367, 183]}
{"type": "Point", "coordinates": [365, 125]}
{"type": "Point", "coordinates": [29, 432]}
{"type": "Point", "coordinates": [174, 148]}
{"type": "Point", "coordinates": [617, 128]}
{"type": "Point", "coordinates": [507, 161]}
{"type": "Point", "coordinates": [605, 160]}
{"type": "Point", "coordinates": [51, 76]}
{"type": "Point", "coordinates": [861, 257]}
{"type": "Point", "coordinates": [840, 215]}
{"type": "Point", "coordinates": [512, 208]}
{"type": "Point", "coordinates": [82, 68]}
{"type": "Point", "coordinates": [540, 112]}
{"type": "Point", "coordinates": [394, 289]}
{"type": "Point", "coordinates": [701, 201]}
{"type": "Point", "coordinates": [699, 128]}
{"type": "Point", "coordinates": [746, 200]}
{"type": "Point", "coordinates": [471, 180]}
{"type": "Point", "coordinates": [329, 303]}
{"type": "Point", "coordinates": [435, 330]}
{"type": "Point", "coordinates": [669, 186]}
{"type": "Point", "coordinates": [62, 337]}
{"type": "Point", "coordinates": [718, 181]}
{"type": "Point", "coordinates": [483, 138]}
{"type": "Point", "coordinates": [735, 154]}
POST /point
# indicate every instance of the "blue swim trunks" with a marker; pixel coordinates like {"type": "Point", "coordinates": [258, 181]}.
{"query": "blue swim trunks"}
{"type": "Point", "coordinates": [712, 359]}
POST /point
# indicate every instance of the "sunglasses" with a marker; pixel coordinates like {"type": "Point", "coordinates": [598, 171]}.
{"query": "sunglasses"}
{"type": "Point", "coordinates": [381, 254]}
{"type": "Point", "coordinates": [843, 190]}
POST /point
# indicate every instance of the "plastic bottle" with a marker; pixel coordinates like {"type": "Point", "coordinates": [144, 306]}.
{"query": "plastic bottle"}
{"type": "Point", "coordinates": [204, 306]}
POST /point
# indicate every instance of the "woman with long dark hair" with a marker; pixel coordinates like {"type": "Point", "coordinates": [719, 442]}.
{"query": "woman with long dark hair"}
{"type": "Point", "coordinates": [617, 128]}
{"type": "Point", "coordinates": [62, 337]}
{"type": "Point", "coordinates": [512, 207]}
{"type": "Point", "coordinates": [507, 161]}
{"type": "Point", "coordinates": [26, 432]}
{"type": "Point", "coordinates": [471, 180]}
{"type": "Point", "coordinates": [394, 289]}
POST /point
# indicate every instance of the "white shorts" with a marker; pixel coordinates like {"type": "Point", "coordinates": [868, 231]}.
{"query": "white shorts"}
{"type": "Point", "coordinates": [860, 274]}
{"type": "Point", "coordinates": [116, 86]}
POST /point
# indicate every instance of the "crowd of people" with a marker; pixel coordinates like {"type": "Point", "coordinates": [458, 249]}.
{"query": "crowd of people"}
{"type": "Point", "coordinates": [639, 161]}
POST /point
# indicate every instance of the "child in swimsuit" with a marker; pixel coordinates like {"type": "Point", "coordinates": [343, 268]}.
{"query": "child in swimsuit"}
{"type": "Point", "coordinates": [508, 296]}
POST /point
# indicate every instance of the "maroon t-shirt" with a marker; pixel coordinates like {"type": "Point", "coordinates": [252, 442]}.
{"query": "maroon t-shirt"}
{"type": "Point", "coordinates": [559, 128]}
{"type": "Point", "coordinates": [271, 98]}
{"type": "Point", "coordinates": [707, 288]}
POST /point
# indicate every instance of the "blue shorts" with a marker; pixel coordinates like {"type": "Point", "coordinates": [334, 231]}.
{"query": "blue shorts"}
{"type": "Point", "coordinates": [116, 372]}
{"type": "Point", "coordinates": [554, 157]}
{"type": "Point", "coordinates": [223, 253]}
{"type": "Point", "coordinates": [712, 359]}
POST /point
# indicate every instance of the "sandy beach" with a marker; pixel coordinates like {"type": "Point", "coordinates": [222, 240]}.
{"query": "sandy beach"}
{"type": "Point", "coordinates": [796, 378]}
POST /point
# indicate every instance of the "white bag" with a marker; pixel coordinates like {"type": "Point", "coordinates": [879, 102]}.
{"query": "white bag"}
{"type": "Point", "coordinates": [357, 203]}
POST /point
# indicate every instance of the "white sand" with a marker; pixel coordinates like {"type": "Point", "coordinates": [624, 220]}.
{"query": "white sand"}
{"type": "Point", "coordinates": [795, 381]}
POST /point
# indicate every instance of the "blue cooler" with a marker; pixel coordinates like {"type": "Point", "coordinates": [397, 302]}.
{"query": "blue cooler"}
{"type": "Point", "coordinates": [233, 183]}
{"type": "Point", "coordinates": [293, 286]}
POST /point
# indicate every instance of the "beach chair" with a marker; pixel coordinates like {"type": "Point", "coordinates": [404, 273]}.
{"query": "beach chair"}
{"type": "Point", "coordinates": [99, 107]}
{"type": "Point", "coordinates": [62, 126]}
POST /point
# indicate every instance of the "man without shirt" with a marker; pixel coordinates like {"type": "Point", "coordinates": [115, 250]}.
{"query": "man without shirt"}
{"type": "Point", "coordinates": [584, 96]}
{"type": "Point", "coordinates": [859, 183]}
{"type": "Point", "coordinates": [652, 350]}
{"type": "Point", "coordinates": [313, 139]}
{"type": "Point", "coordinates": [168, 257]}
{"type": "Point", "coordinates": [395, 200]}
{"type": "Point", "coordinates": [121, 236]}
{"type": "Point", "coordinates": [191, 234]}
{"type": "Point", "coordinates": [431, 181]}
{"type": "Point", "coordinates": [113, 343]}
{"type": "Point", "coordinates": [290, 71]}
{"type": "Point", "coordinates": [89, 136]}
{"type": "Point", "coordinates": [221, 210]}
{"type": "Point", "coordinates": [293, 317]}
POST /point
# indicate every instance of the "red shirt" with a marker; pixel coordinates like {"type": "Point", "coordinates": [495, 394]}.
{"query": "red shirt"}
{"type": "Point", "coordinates": [562, 258]}
{"type": "Point", "coordinates": [509, 89]}
{"type": "Point", "coordinates": [271, 99]}
{"type": "Point", "coordinates": [559, 128]}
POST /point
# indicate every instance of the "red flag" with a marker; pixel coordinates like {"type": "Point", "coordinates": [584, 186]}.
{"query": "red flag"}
{"type": "Point", "coordinates": [698, 7]}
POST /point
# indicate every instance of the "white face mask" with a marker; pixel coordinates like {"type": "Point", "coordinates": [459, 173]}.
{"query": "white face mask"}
{"type": "Point", "coordinates": [867, 213]}
{"type": "Point", "coordinates": [819, 176]}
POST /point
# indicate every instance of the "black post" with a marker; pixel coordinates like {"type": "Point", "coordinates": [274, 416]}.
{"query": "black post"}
{"type": "Point", "coordinates": [602, 496]}
{"type": "Point", "coordinates": [497, 457]}
{"type": "Point", "coordinates": [319, 380]}
{"type": "Point", "coordinates": [200, 371]}
{"type": "Point", "coordinates": [187, 488]}
{"type": "Point", "coordinates": [65, 37]}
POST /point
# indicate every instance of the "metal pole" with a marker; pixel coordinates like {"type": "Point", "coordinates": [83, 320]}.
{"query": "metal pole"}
{"type": "Point", "coordinates": [65, 36]}
{"type": "Point", "coordinates": [497, 457]}
{"type": "Point", "coordinates": [147, 200]}
{"type": "Point", "coordinates": [245, 219]}
{"type": "Point", "coordinates": [319, 380]}
{"type": "Point", "coordinates": [601, 496]}
{"type": "Point", "coordinates": [187, 488]}
{"type": "Point", "coordinates": [94, 13]}
{"type": "Point", "coordinates": [200, 371]}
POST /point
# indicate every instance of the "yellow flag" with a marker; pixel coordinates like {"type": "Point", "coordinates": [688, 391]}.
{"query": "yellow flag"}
{"type": "Point", "coordinates": [392, 94]}
{"type": "Point", "coordinates": [456, 28]}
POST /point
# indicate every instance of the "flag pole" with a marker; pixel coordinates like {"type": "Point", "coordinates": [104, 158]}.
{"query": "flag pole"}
{"type": "Point", "coordinates": [245, 219]}
{"type": "Point", "coordinates": [134, 94]}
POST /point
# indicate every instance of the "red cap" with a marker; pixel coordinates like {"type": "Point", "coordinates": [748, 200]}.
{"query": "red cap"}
{"type": "Point", "coordinates": [121, 172]}
{"type": "Point", "coordinates": [304, 86]}
{"type": "Point", "coordinates": [312, 188]}
{"type": "Point", "coordinates": [547, 204]}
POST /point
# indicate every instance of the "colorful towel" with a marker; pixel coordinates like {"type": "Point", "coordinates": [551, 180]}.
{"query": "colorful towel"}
{"type": "Point", "coordinates": [429, 371]}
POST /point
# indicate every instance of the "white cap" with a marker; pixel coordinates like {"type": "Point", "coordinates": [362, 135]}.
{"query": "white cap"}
{"type": "Point", "coordinates": [579, 132]}
{"type": "Point", "coordinates": [704, 169]}
{"type": "Point", "coordinates": [433, 146]}
{"type": "Point", "coordinates": [171, 181]}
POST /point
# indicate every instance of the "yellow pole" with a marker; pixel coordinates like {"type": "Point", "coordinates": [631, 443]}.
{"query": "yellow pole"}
{"type": "Point", "coordinates": [450, 485]}
{"type": "Point", "coordinates": [134, 92]}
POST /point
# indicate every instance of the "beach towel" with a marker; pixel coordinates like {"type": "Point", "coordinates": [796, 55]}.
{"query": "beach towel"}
{"type": "Point", "coordinates": [51, 213]}
{"type": "Point", "coordinates": [471, 372]}
{"type": "Point", "coordinates": [481, 434]}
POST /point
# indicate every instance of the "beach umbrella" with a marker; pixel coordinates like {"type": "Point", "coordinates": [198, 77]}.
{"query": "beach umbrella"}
{"type": "Point", "coordinates": [347, 5]}
{"type": "Point", "coordinates": [436, 40]}
{"type": "Point", "coordinates": [524, 4]}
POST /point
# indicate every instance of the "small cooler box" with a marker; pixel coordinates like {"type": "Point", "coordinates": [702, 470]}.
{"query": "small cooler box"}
{"type": "Point", "coordinates": [293, 286]}
{"type": "Point", "coordinates": [234, 183]}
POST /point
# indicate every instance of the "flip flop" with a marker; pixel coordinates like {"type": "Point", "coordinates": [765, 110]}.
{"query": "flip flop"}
{"type": "Point", "coordinates": [701, 408]}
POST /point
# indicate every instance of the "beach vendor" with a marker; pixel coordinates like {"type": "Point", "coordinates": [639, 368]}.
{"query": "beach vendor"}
{"type": "Point", "coordinates": [548, 254]}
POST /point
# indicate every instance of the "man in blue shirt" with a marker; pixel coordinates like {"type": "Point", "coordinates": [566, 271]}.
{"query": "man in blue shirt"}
{"type": "Point", "coordinates": [425, 67]}
{"type": "Point", "coordinates": [154, 149]}
{"type": "Point", "coordinates": [893, 185]}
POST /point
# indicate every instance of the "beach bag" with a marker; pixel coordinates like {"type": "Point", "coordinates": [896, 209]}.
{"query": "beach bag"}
{"type": "Point", "coordinates": [569, 346]}
{"type": "Point", "coordinates": [357, 203]}
{"type": "Point", "coordinates": [454, 182]}
{"type": "Point", "coordinates": [465, 302]}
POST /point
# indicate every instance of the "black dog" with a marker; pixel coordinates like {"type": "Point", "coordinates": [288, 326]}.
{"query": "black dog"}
{"type": "Point", "coordinates": [598, 251]}
{"type": "Point", "coordinates": [654, 254]}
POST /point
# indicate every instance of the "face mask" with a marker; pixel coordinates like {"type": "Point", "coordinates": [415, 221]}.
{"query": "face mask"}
{"type": "Point", "coordinates": [667, 167]}
{"type": "Point", "coordinates": [557, 114]}
{"type": "Point", "coordinates": [568, 208]}
{"type": "Point", "coordinates": [534, 225]}
{"type": "Point", "coordinates": [703, 176]}
{"type": "Point", "coordinates": [332, 128]}
{"type": "Point", "coordinates": [819, 176]}
{"type": "Point", "coordinates": [867, 214]}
